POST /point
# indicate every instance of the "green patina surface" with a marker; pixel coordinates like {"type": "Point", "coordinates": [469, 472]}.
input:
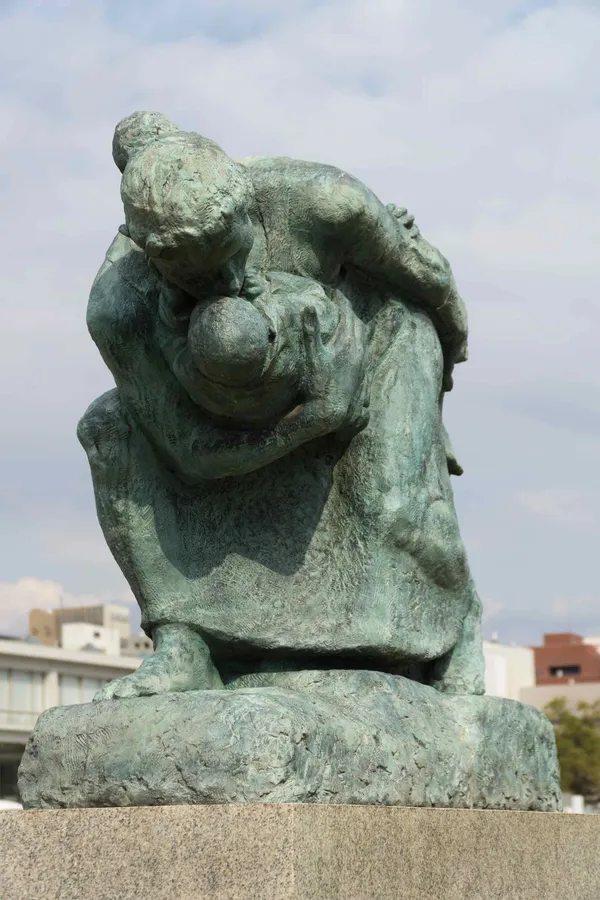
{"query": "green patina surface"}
{"type": "Point", "coordinates": [272, 472]}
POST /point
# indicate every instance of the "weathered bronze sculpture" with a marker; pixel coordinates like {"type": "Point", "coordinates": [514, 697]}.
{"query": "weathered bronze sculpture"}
{"type": "Point", "coordinates": [272, 475]}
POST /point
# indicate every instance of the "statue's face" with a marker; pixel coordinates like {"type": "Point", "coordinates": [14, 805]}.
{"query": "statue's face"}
{"type": "Point", "coordinates": [205, 265]}
{"type": "Point", "coordinates": [201, 259]}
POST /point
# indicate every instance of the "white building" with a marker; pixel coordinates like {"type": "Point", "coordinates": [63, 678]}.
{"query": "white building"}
{"type": "Point", "coordinates": [46, 625]}
{"type": "Point", "coordinates": [33, 678]}
{"type": "Point", "coordinates": [83, 627]}
{"type": "Point", "coordinates": [82, 636]}
{"type": "Point", "coordinates": [136, 645]}
{"type": "Point", "coordinates": [508, 670]}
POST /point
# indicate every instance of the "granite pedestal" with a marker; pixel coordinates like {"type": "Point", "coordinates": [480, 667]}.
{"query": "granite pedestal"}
{"type": "Point", "coordinates": [313, 852]}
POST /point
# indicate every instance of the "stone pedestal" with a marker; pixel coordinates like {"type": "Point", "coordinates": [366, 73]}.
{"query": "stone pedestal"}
{"type": "Point", "coordinates": [327, 737]}
{"type": "Point", "coordinates": [313, 852]}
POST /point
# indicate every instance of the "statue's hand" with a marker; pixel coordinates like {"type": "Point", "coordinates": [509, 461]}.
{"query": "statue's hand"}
{"type": "Point", "coordinates": [426, 265]}
{"type": "Point", "coordinates": [175, 307]}
{"type": "Point", "coordinates": [255, 285]}
{"type": "Point", "coordinates": [404, 218]}
{"type": "Point", "coordinates": [335, 382]}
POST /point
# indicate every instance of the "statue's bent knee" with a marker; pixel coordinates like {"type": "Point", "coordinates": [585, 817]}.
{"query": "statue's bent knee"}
{"type": "Point", "coordinates": [103, 420]}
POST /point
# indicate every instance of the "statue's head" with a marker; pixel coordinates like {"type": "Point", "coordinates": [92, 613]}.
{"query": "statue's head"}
{"type": "Point", "coordinates": [137, 131]}
{"type": "Point", "coordinates": [186, 205]}
{"type": "Point", "coordinates": [245, 361]}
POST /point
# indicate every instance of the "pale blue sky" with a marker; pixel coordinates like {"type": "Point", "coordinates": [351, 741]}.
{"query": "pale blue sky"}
{"type": "Point", "coordinates": [482, 118]}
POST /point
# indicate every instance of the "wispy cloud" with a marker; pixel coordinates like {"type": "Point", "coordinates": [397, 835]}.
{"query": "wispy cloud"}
{"type": "Point", "coordinates": [491, 610]}
{"type": "Point", "coordinates": [567, 508]}
{"type": "Point", "coordinates": [577, 607]}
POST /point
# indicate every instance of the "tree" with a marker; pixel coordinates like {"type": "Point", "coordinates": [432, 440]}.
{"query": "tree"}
{"type": "Point", "coordinates": [578, 745]}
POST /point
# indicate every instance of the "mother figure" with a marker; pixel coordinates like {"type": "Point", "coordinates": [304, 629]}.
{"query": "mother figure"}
{"type": "Point", "coordinates": [272, 472]}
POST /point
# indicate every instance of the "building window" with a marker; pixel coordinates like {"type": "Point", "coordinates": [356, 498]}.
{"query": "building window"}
{"type": "Point", "coordinates": [89, 688]}
{"type": "Point", "coordinates": [4, 700]}
{"type": "Point", "coordinates": [69, 690]}
{"type": "Point", "coordinates": [78, 690]}
{"type": "Point", "coordinates": [21, 697]}
{"type": "Point", "coordinates": [8, 780]}
{"type": "Point", "coordinates": [564, 671]}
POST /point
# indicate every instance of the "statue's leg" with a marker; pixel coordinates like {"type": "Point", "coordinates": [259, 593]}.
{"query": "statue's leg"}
{"type": "Point", "coordinates": [462, 669]}
{"type": "Point", "coordinates": [410, 451]}
{"type": "Point", "coordinates": [128, 488]}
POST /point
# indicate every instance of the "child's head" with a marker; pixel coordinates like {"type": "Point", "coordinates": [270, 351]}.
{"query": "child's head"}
{"type": "Point", "coordinates": [186, 205]}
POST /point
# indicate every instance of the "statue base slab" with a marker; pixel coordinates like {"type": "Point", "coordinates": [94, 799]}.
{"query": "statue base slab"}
{"type": "Point", "coordinates": [337, 736]}
{"type": "Point", "coordinates": [304, 852]}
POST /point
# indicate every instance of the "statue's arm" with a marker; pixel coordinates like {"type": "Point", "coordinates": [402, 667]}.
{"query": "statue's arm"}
{"type": "Point", "coordinates": [385, 243]}
{"type": "Point", "coordinates": [335, 401]}
{"type": "Point", "coordinates": [122, 319]}
{"type": "Point", "coordinates": [219, 453]}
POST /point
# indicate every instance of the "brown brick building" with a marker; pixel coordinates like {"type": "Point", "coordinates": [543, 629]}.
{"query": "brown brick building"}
{"type": "Point", "coordinates": [565, 658]}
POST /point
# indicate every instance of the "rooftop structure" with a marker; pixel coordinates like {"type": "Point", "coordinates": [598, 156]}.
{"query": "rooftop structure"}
{"type": "Point", "coordinates": [508, 669]}
{"type": "Point", "coordinates": [567, 658]}
{"type": "Point", "coordinates": [46, 625]}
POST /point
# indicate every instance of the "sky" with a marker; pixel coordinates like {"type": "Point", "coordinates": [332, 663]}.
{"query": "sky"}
{"type": "Point", "coordinates": [482, 118]}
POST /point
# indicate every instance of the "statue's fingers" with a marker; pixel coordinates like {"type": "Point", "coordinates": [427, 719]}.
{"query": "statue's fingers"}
{"type": "Point", "coordinates": [447, 381]}
{"type": "Point", "coordinates": [311, 333]}
{"type": "Point", "coordinates": [309, 320]}
{"type": "Point", "coordinates": [398, 211]}
{"type": "Point", "coordinates": [345, 333]}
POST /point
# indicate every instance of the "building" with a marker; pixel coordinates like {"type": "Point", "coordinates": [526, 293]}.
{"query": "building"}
{"type": "Point", "coordinates": [136, 645]}
{"type": "Point", "coordinates": [105, 628]}
{"type": "Point", "coordinates": [567, 658]}
{"type": "Point", "coordinates": [95, 638]}
{"type": "Point", "coordinates": [567, 665]}
{"type": "Point", "coordinates": [46, 625]}
{"type": "Point", "coordinates": [542, 694]}
{"type": "Point", "coordinates": [508, 669]}
{"type": "Point", "coordinates": [35, 677]}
